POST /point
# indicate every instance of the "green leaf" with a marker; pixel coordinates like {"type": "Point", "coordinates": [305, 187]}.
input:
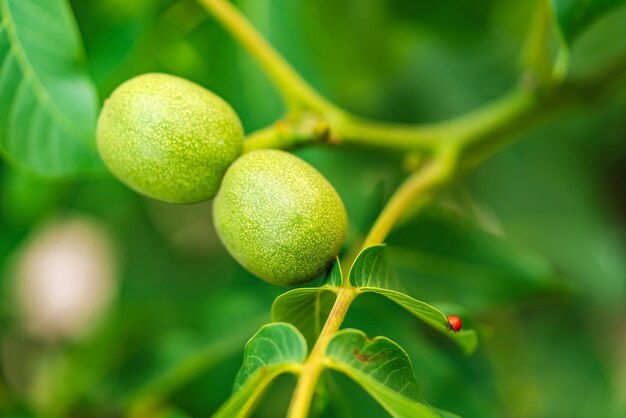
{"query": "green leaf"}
{"type": "Point", "coordinates": [382, 368]}
{"type": "Point", "coordinates": [275, 349]}
{"type": "Point", "coordinates": [371, 273]}
{"type": "Point", "coordinates": [446, 414]}
{"type": "Point", "coordinates": [371, 269]}
{"type": "Point", "coordinates": [574, 16]}
{"type": "Point", "coordinates": [275, 344]}
{"type": "Point", "coordinates": [48, 104]}
{"type": "Point", "coordinates": [466, 339]}
{"type": "Point", "coordinates": [335, 275]}
{"type": "Point", "coordinates": [305, 308]}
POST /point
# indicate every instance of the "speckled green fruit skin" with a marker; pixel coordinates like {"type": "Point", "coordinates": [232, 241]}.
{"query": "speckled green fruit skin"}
{"type": "Point", "coordinates": [168, 138]}
{"type": "Point", "coordinates": [279, 217]}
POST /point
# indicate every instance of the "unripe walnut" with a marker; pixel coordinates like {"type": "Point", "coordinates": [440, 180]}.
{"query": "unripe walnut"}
{"type": "Point", "coordinates": [279, 217]}
{"type": "Point", "coordinates": [168, 138]}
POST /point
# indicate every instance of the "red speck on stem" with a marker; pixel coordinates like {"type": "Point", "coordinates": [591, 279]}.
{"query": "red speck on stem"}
{"type": "Point", "coordinates": [455, 323]}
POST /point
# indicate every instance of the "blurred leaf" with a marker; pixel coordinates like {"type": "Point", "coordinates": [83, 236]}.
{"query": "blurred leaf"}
{"type": "Point", "coordinates": [16, 411]}
{"type": "Point", "coordinates": [540, 361]}
{"type": "Point", "coordinates": [537, 53]}
{"type": "Point", "coordinates": [322, 398]}
{"type": "Point", "coordinates": [445, 414]}
{"type": "Point", "coordinates": [382, 368]}
{"type": "Point", "coordinates": [24, 197]}
{"type": "Point", "coordinates": [566, 208]}
{"type": "Point", "coordinates": [274, 350]}
{"type": "Point", "coordinates": [371, 273]}
{"type": "Point", "coordinates": [446, 257]}
{"type": "Point", "coordinates": [48, 105]}
{"type": "Point", "coordinates": [173, 413]}
{"type": "Point", "coordinates": [573, 16]}
{"type": "Point", "coordinates": [194, 364]}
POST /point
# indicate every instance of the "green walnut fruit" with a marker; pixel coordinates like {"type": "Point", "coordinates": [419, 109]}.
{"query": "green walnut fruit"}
{"type": "Point", "coordinates": [279, 217]}
{"type": "Point", "coordinates": [168, 138]}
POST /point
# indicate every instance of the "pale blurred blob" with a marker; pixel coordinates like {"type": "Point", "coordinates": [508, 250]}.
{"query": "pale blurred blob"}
{"type": "Point", "coordinates": [65, 279]}
{"type": "Point", "coordinates": [189, 227]}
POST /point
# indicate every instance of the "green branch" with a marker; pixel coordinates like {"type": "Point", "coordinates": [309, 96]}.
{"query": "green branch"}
{"type": "Point", "coordinates": [307, 382]}
{"type": "Point", "coordinates": [345, 127]}
{"type": "Point", "coordinates": [289, 133]}
{"type": "Point", "coordinates": [523, 106]}
{"type": "Point", "coordinates": [296, 91]}
{"type": "Point", "coordinates": [414, 192]}
{"type": "Point", "coordinates": [342, 127]}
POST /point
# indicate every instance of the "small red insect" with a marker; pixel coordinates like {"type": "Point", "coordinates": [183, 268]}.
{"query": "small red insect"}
{"type": "Point", "coordinates": [455, 323]}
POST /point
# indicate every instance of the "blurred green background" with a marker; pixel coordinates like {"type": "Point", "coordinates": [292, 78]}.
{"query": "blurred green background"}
{"type": "Point", "coordinates": [530, 247]}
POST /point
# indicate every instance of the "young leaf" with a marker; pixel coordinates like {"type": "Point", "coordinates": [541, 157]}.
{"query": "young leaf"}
{"type": "Point", "coordinates": [305, 308]}
{"type": "Point", "coordinates": [371, 269]}
{"type": "Point", "coordinates": [48, 104]}
{"type": "Point", "coordinates": [371, 273]}
{"type": "Point", "coordinates": [275, 349]}
{"type": "Point", "coordinates": [573, 16]}
{"type": "Point", "coordinates": [382, 368]}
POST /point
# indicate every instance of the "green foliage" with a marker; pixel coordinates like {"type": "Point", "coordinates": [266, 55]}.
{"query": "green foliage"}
{"type": "Point", "coordinates": [334, 278]}
{"type": "Point", "coordinates": [383, 369]}
{"type": "Point", "coordinates": [538, 239]}
{"type": "Point", "coordinates": [371, 269]}
{"type": "Point", "coordinates": [574, 16]}
{"type": "Point", "coordinates": [277, 348]}
{"type": "Point", "coordinates": [446, 256]}
{"type": "Point", "coordinates": [307, 309]}
{"type": "Point", "coordinates": [371, 273]}
{"type": "Point", "coordinates": [274, 345]}
{"type": "Point", "coordinates": [174, 413]}
{"type": "Point", "coordinates": [48, 104]}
